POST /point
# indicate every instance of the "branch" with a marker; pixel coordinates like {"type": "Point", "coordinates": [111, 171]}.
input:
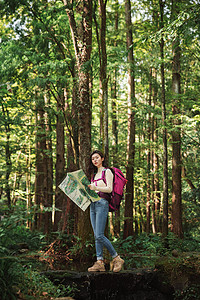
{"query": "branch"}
{"type": "Point", "coordinates": [73, 27]}
{"type": "Point", "coordinates": [49, 30]}
{"type": "Point", "coordinates": [187, 180]}
{"type": "Point", "coordinates": [63, 109]}
{"type": "Point", "coordinates": [191, 138]}
{"type": "Point", "coordinates": [97, 34]}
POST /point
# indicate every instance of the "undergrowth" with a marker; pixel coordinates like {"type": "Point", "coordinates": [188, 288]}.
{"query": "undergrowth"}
{"type": "Point", "coordinates": [20, 278]}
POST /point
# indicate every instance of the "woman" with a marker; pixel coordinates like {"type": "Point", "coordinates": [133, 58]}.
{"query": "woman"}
{"type": "Point", "coordinates": [99, 212]}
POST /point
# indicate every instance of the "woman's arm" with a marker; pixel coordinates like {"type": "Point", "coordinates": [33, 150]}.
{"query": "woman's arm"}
{"type": "Point", "coordinates": [109, 183]}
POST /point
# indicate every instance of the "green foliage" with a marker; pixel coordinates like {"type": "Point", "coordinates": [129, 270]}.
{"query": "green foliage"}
{"type": "Point", "coordinates": [14, 232]}
{"type": "Point", "coordinates": [144, 250]}
{"type": "Point", "coordinates": [35, 285]}
{"type": "Point", "coordinates": [37, 59]}
{"type": "Point", "coordinates": [17, 277]}
{"type": "Point", "coordinates": [10, 273]}
{"type": "Point", "coordinates": [82, 250]}
{"type": "Point", "coordinates": [189, 293]}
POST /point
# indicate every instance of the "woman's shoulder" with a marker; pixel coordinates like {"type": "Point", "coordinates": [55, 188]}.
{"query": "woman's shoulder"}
{"type": "Point", "coordinates": [108, 172]}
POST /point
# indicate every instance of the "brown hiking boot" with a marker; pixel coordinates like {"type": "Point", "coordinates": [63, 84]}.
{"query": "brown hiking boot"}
{"type": "Point", "coordinates": [117, 264]}
{"type": "Point", "coordinates": [97, 267]}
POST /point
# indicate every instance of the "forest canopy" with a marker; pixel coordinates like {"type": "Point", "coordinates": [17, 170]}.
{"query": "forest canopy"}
{"type": "Point", "coordinates": [118, 76]}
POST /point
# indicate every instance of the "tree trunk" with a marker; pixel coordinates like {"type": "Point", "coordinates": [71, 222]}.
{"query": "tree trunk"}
{"type": "Point", "coordinates": [74, 118]}
{"type": "Point", "coordinates": [116, 219]}
{"type": "Point", "coordinates": [70, 117]}
{"type": "Point", "coordinates": [149, 160]}
{"type": "Point", "coordinates": [165, 154]}
{"type": "Point", "coordinates": [155, 159]}
{"type": "Point", "coordinates": [60, 164]}
{"type": "Point", "coordinates": [176, 134]}
{"type": "Point", "coordinates": [103, 77]}
{"type": "Point", "coordinates": [157, 191]}
{"type": "Point", "coordinates": [114, 120]}
{"type": "Point", "coordinates": [103, 80]}
{"type": "Point", "coordinates": [44, 166]}
{"type": "Point", "coordinates": [114, 99]}
{"type": "Point", "coordinates": [49, 169]}
{"type": "Point", "coordinates": [8, 165]}
{"type": "Point", "coordinates": [82, 40]}
{"type": "Point", "coordinates": [40, 165]}
{"type": "Point", "coordinates": [28, 183]}
{"type": "Point", "coordinates": [8, 155]}
{"type": "Point", "coordinates": [128, 214]}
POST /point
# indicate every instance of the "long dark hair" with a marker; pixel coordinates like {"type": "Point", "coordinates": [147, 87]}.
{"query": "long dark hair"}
{"type": "Point", "coordinates": [93, 169]}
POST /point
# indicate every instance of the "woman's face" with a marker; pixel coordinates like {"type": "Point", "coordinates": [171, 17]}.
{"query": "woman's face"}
{"type": "Point", "coordinates": [97, 160]}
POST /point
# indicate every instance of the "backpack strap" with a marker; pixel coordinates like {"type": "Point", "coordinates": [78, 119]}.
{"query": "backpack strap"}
{"type": "Point", "coordinates": [103, 177]}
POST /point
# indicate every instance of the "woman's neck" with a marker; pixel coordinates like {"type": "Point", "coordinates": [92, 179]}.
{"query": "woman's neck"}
{"type": "Point", "coordinates": [100, 169]}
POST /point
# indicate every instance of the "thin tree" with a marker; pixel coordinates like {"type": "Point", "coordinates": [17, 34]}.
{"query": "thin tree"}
{"type": "Point", "coordinates": [155, 158]}
{"type": "Point", "coordinates": [60, 163]}
{"type": "Point", "coordinates": [7, 152]}
{"type": "Point", "coordinates": [103, 79]}
{"type": "Point", "coordinates": [149, 161]}
{"type": "Point", "coordinates": [40, 164]}
{"type": "Point", "coordinates": [115, 229]}
{"type": "Point", "coordinates": [176, 133]}
{"type": "Point", "coordinates": [165, 154]}
{"type": "Point", "coordinates": [128, 214]}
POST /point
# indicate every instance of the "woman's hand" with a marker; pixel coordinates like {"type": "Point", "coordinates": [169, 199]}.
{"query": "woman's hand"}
{"type": "Point", "coordinates": [92, 186]}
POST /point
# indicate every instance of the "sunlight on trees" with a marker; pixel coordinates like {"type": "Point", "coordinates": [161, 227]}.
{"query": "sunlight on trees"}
{"type": "Point", "coordinates": [64, 89]}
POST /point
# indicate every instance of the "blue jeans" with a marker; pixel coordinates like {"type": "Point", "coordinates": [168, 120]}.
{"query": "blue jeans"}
{"type": "Point", "coordinates": [98, 216]}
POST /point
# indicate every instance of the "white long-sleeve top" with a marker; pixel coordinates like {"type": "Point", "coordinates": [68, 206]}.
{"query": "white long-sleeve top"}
{"type": "Point", "coordinates": [100, 186]}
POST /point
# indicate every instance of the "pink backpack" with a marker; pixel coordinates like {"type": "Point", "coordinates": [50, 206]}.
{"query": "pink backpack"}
{"type": "Point", "coordinates": [119, 181]}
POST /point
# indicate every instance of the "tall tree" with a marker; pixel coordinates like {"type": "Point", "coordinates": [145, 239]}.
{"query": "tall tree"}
{"type": "Point", "coordinates": [114, 87]}
{"type": "Point", "coordinates": [7, 152]}
{"type": "Point", "coordinates": [60, 162]}
{"type": "Point", "coordinates": [176, 133]}
{"type": "Point", "coordinates": [115, 145]}
{"type": "Point", "coordinates": [82, 40]}
{"type": "Point", "coordinates": [128, 214]}
{"type": "Point", "coordinates": [155, 158]}
{"type": "Point", "coordinates": [49, 166]}
{"type": "Point", "coordinates": [165, 153]}
{"type": "Point", "coordinates": [149, 161]}
{"type": "Point", "coordinates": [103, 78]}
{"type": "Point", "coordinates": [41, 164]}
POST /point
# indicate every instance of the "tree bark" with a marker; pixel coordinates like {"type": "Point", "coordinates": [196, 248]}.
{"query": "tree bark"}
{"type": "Point", "coordinates": [165, 153]}
{"type": "Point", "coordinates": [115, 162]}
{"type": "Point", "coordinates": [44, 170]}
{"type": "Point", "coordinates": [155, 159]}
{"type": "Point", "coordinates": [114, 98]}
{"type": "Point", "coordinates": [7, 154]}
{"type": "Point", "coordinates": [128, 214]}
{"type": "Point", "coordinates": [149, 160]}
{"type": "Point", "coordinates": [103, 80]}
{"type": "Point", "coordinates": [60, 164]}
{"type": "Point", "coordinates": [49, 168]}
{"type": "Point", "coordinates": [28, 183]}
{"type": "Point", "coordinates": [82, 40]}
{"type": "Point", "coordinates": [103, 77]}
{"type": "Point", "coordinates": [176, 133]}
{"type": "Point", "coordinates": [40, 165]}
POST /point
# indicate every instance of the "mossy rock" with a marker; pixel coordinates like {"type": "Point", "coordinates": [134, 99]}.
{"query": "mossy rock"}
{"type": "Point", "coordinates": [182, 270]}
